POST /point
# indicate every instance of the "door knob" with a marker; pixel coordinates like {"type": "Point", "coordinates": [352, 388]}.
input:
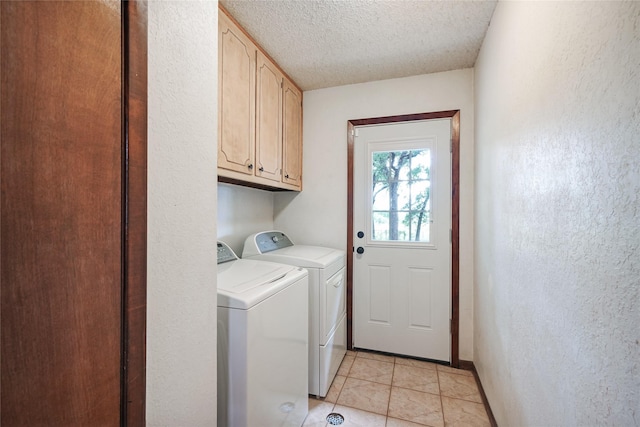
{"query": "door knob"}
{"type": "Point", "coordinates": [360, 234]}
{"type": "Point", "coordinates": [360, 250]}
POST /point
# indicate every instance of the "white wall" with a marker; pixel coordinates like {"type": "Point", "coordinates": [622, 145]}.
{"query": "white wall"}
{"type": "Point", "coordinates": [181, 277]}
{"type": "Point", "coordinates": [318, 215]}
{"type": "Point", "coordinates": [242, 211]}
{"type": "Point", "coordinates": [557, 300]}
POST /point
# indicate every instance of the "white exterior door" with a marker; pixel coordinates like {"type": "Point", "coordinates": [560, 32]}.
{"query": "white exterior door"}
{"type": "Point", "coordinates": [402, 222]}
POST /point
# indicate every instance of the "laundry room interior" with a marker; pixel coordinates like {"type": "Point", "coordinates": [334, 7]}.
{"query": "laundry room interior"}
{"type": "Point", "coordinates": [548, 144]}
{"type": "Point", "coordinates": [518, 162]}
{"type": "Point", "coordinates": [307, 213]}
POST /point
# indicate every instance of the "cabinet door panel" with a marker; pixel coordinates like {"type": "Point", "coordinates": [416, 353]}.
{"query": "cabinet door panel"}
{"type": "Point", "coordinates": [292, 135]}
{"type": "Point", "coordinates": [236, 88]}
{"type": "Point", "coordinates": [61, 213]}
{"type": "Point", "coordinates": [268, 120]}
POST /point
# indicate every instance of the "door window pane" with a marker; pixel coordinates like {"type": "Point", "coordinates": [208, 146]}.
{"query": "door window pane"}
{"type": "Point", "coordinates": [401, 195]}
{"type": "Point", "coordinates": [420, 195]}
{"type": "Point", "coordinates": [380, 225]}
{"type": "Point", "coordinates": [380, 198]}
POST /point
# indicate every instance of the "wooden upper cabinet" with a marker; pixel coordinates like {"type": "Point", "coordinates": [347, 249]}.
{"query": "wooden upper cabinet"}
{"type": "Point", "coordinates": [292, 135]}
{"type": "Point", "coordinates": [268, 120]}
{"type": "Point", "coordinates": [237, 94]}
{"type": "Point", "coordinates": [260, 115]}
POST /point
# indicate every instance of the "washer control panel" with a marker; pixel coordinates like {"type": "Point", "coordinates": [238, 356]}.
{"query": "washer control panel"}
{"type": "Point", "coordinates": [272, 240]}
{"type": "Point", "coordinates": [225, 253]}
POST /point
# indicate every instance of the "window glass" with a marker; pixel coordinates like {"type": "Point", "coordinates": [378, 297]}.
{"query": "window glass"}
{"type": "Point", "coordinates": [401, 195]}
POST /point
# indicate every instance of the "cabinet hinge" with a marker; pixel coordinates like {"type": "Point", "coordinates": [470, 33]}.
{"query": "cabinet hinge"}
{"type": "Point", "coordinates": [451, 146]}
{"type": "Point", "coordinates": [450, 325]}
{"type": "Point", "coordinates": [450, 235]}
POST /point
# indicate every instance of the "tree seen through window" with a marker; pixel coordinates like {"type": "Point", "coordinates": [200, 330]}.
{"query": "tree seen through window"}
{"type": "Point", "coordinates": [401, 202]}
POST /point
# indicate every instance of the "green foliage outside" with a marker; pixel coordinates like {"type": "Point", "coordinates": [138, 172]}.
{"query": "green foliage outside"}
{"type": "Point", "coordinates": [401, 176]}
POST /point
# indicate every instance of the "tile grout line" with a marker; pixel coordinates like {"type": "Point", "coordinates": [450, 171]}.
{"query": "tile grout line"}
{"type": "Point", "coordinates": [444, 423]}
{"type": "Point", "coordinates": [342, 388]}
{"type": "Point", "coordinates": [393, 373]}
{"type": "Point", "coordinates": [475, 382]}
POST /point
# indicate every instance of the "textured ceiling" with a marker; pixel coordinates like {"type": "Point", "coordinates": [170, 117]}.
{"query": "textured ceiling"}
{"type": "Point", "coordinates": [325, 43]}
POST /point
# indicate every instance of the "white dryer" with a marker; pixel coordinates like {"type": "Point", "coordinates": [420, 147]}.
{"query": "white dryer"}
{"type": "Point", "coordinates": [327, 299]}
{"type": "Point", "coordinates": [262, 342]}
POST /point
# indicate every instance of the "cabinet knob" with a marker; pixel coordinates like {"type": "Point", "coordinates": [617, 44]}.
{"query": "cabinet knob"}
{"type": "Point", "coordinates": [250, 166]}
{"type": "Point", "coordinates": [261, 169]}
{"type": "Point", "coordinates": [287, 176]}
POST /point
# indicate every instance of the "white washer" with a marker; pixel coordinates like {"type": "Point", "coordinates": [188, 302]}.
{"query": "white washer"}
{"type": "Point", "coordinates": [327, 299]}
{"type": "Point", "coordinates": [262, 342]}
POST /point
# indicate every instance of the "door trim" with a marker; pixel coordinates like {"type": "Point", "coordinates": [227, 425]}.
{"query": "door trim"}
{"type": "Point", "coordinates": [454, 115]}
{"type": "Point", "coordinates": [134, 213]}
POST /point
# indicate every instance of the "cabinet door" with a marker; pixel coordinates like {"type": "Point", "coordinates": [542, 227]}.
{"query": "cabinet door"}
{"type": "Point", "coordinates": [236, 103]}
{"type": "Point", "coordinates": [292, 135]}
{"type": "Point", "coordinates": [268, 120]}
{"type": "Point", "coordinates": [73, 247]}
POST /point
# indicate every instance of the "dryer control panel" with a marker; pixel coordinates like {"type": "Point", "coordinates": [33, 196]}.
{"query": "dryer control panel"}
{"type": "Point", "coordinates": [272, 240]}
{"type": "Point", "coordinates": [225, 253]}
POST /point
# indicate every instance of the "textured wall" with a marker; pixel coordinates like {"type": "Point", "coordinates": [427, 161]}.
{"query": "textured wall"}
{"type": "Point", "coordinates": [318, 215]}
{"type": "Point", "coordinates": [181, 285]}
{"type": "Point", "coordinates": [242, 211]}
{"type": "Point", "coordinates": [557, 300]}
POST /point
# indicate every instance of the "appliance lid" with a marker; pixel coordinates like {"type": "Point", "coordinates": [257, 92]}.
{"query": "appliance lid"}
{"type": "Point", "coordinates": [275, 246]}
{"type": "Point", "coordinates": [244, 275]}
{"type": "Point", "coordinates": [304, 256]}
{"type": "Point", "coordinates": [244, 283]}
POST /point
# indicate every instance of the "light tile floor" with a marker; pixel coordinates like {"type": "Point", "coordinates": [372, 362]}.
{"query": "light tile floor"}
{"type": "Point", "coordinates": [375, 390]}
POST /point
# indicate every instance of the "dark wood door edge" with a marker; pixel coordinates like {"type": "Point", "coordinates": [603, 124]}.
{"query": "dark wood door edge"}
{"type": "Point", "coordinates": [468, 365]}
{"type": "Point", "coordinates": [350, 142]}
{"type": "Point", "coordinates": [134, 224]}
{"type": "Point", "coordinates": [454, 115]}
{"type": "Point", "coordinates": [455, 237]}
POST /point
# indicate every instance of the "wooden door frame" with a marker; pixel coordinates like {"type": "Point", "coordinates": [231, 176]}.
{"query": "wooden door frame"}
{"type": "Point", "coordinates": [454, 115]}
{"type": "Point", "coordinates": [134, 213]}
